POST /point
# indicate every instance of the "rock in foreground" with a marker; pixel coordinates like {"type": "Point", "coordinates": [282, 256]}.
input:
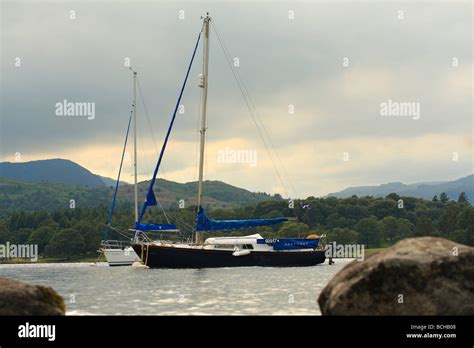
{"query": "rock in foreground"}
{"type": "Point", "coordinates": [416, 276]}
{"type": "Point", "coordinates": [17, 298]}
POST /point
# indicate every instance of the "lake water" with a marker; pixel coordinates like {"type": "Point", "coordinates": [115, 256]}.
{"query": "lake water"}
{"type": "Point", "coordinates": [97, 289]}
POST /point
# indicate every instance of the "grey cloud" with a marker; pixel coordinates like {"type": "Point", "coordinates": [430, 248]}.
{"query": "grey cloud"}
{"type": "Point", "coordinates": [282, 62]}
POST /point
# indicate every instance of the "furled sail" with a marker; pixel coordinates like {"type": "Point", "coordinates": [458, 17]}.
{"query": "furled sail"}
{"type": "Point", "coordinates": [204, 223]}
{"type": "Point", "coordinates": [155, 227]}
{"type": "Point", "coordinates": [150, 197]}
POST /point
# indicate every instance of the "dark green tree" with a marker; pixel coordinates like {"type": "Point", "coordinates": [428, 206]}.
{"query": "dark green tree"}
{"type": "Point", "coordinates": [41, 237]}
{"type": "Point", "coordinates": [382, 208]}
{"type": "Point", "coordinates": [397, 229]}
{"type": "Point", "coordinates": [20, 236]}
{"type": "Point", "coordinates": [463, 199]}
{"type": "Point", "coordinates": [91, 234]}
{"type": "Point", "coordinates": [465, 225]}
{"type": "Point", "coordinates": [343, 235]}
{"type": "Point", "coordinates": [294, 229]}
{"type": "Point", "coordinates": [443, 197]}
{"type": "Point", "coordinates": [393, 196]}
{"type": "Point", "coordinates": [68, 244]}
{"type": "Point", "coordinates": [424, 227]}
{"type": "Point", "coordinates": [370, 232]}
{"type": "Point", "coordinates": [448, 220]}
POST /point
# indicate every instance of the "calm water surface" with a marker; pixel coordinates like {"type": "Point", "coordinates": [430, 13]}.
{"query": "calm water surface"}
{"type": "Point", "coordinates": [96, 289]}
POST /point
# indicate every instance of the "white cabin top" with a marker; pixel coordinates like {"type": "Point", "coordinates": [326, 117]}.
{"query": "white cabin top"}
{"type": "Point", "coordinates": [251, 239]}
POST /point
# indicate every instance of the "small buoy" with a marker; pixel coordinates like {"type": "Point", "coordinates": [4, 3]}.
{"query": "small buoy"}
{"type": "Point", "coordinates": [137, 264]}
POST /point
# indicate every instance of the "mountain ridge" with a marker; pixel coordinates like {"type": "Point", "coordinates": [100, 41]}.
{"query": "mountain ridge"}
{"type": "Point", "coordinates": [56, 170]}
{"type": "Point", "coordinates": [424, 190]}
{"type": "Point", "coordinates": [218, 194]}
{"type": "Point", "coordinates": [22, 190]}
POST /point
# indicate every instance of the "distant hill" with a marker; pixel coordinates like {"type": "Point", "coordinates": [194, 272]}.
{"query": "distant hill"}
{"type": "Point", "coordinates": [56, 171]}
{"type": "Point", "coordinates": [217, 194]}
{"type": "Point", "coordinates": [51, 184]}
{"type": "Point", "coordinates": [27, 196]}
{"type": "Point", "coordinates": [16, 195]}
{"type": "Point", "coordinates": [110, 182]}
{"type": "Point", "coordinates": [419, 190]}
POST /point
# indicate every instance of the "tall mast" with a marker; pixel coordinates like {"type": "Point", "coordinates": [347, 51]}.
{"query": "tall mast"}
{"type": "Point", "coordinates": [203, 84]}
{"type": "Point", "coordinates": [135, 141]}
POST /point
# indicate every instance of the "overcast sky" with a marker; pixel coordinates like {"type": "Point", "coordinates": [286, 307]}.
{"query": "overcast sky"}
{"type": "Point", "coordinates": [400, 51]}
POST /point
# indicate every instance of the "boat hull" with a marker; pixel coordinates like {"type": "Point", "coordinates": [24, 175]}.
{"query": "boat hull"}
{"type": "Point", "coordinates": [157, 256]}
{"type": "Point", "coordinates": [119, 257]}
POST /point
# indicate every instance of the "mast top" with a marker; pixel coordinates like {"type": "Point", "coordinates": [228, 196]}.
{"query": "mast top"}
{"type": "Point", "coordinates": [207, 18]}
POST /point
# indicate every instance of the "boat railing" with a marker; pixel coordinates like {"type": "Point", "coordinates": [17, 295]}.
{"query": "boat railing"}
{"type": "Point", "coordinates": [144, 237]}
{"type": "Point", "coordinates": [140, 237]}
{"type": "Point", "coordinates": [114, 244]}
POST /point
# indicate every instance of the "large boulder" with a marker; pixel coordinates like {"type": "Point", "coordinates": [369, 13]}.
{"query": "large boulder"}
{"type": "Point", "coordinates": [17, 298]}
{"type": "Point", "coordinates": [416, 276]}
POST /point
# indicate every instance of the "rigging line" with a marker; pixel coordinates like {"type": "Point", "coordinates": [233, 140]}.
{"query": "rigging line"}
{"type": "Point", "coordinates": [249, 96]}
{"type": "Point", "coordinates": [181, 220]}
{"type": "Point", "coordinates": [163, 210]}
{"type": "Point", "coordinates": [250, 110]}
{"type": "Point", "coordinates": [270, 141]}
{"type": "Point", "coordinates": [260, 119]}
{"type": "Point", "coordinates": [124, 234]}
{"type": "Point", "coordinates": [185, 224]}
{"type": "Point", "coordinates": [146, 114]}
{"type": "Point", "coordinates": [140, 150]}
{"type": "Point", "coordinates": [150, 189]}
{"type": "Point", "coordinates": [248, 102]}
{"type": "Point", "coordinates": [109, 219]}
{"type": "Point", "coordinates": [268, 136]}
{"type": "Point", "coordinates": [146, 173]}
{"type": "Point", "coordinates": [173, 217]}
{"type": "Point", "coordinates": [143, 153]}
{"type": "Point", "coordinates": [152, 135]}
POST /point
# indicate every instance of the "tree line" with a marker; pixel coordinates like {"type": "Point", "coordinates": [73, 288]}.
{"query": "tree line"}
{"type": "Point", "coordinates": [374, 222]}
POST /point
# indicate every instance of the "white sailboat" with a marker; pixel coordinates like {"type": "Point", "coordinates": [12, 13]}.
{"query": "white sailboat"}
{"type": "Point", "coordinates": [120, 253]}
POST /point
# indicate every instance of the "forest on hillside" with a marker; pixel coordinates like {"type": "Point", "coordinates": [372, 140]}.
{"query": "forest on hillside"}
{"type": "Point", "coordinates": [34, 196]}
{"type": "Point", "coordinates": [374, 222]}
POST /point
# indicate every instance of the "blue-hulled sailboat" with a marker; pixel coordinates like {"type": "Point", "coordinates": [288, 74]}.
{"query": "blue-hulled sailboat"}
{"type": "Point", "coordinates": [252, 250]}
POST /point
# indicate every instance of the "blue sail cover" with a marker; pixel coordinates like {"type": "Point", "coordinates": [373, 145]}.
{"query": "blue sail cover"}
{"type": "Point", "coordinates": [154, 227]}
{"type": "Point", "coordinates": [203, 223]}
{"type": "Point", "coordinates": [151, 200]}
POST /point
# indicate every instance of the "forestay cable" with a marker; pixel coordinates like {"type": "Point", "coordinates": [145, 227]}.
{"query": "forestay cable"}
{"type": "Point", "coordinates": [254, 113]}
